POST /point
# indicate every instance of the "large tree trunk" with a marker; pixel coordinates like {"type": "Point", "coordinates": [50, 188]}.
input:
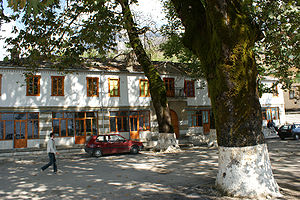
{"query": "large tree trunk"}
{"type": "Point", "coordinates": [157, 87]}
{"type": "Point", "coordinates": [222, 35]}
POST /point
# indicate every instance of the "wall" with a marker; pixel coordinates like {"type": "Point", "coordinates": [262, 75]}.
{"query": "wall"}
{"type": "Point", "coordinates": [269, 100]}
{"type": "Point", "coordinates": [14, 91]}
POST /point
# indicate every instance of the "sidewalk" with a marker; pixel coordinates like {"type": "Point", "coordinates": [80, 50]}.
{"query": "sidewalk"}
{"type": "Point", "coordinates": [11, 154]}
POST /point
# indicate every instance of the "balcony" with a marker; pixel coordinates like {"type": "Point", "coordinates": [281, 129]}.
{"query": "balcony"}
{"type": "Point", "coordinates": [177, 92]}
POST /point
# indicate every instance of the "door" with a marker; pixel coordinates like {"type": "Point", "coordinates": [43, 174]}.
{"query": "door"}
{"type": "Point", "coordinates": [174, 121]}
{"type": "Point", "coordinates": [20, 134]}
{"type": "Point", "coordinates": [205, 121]}
{"type": "Point", "coordinates": [80, 131]}
{"type": "Point", "coordinates": [134, 127]}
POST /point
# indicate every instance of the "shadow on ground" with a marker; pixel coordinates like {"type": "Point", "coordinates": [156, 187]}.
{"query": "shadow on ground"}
{"type": "Point", "coordinates": [189, 174]}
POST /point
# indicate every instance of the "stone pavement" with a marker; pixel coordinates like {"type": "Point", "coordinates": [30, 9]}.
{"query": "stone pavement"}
{"type": "Point", "coordinates": [189, 174]}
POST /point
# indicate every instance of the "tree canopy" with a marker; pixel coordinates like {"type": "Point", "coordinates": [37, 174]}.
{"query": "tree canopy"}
{"type": "Point", "coordinates": [277, 50]}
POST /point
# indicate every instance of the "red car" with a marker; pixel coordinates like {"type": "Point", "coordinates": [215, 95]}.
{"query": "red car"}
{"type": "Point", "coordinates": [99, 145]}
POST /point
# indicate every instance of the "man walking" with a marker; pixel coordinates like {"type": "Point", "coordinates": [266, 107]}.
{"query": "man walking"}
{"type": "Point", "coordinates": [51, 150]}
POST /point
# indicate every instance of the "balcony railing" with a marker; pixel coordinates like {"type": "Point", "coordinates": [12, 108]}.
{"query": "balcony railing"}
{"type": "Point", "coordinates": [176, 93]}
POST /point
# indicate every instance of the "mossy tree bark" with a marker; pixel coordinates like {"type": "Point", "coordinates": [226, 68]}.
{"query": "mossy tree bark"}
{"type": "Point", "coordinates": [222, 35]}
{"type": "Point", "coordinates": [157, 87]}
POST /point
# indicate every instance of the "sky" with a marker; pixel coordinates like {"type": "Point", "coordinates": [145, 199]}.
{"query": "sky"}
{"type": "Point", "coordinates": [150, 9]}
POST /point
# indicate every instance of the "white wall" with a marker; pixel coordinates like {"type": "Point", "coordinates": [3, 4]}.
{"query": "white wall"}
{"type": "Point", "coordinates": [14, 91]}
{"type": "Point", "coordinates": [269, 100]}
{"type": "Point", "coordinates": [201, 91]}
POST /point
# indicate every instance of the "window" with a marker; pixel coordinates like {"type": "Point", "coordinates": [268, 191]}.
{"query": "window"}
{"type": "Point", "coordinates": [92, 87]}
{"type": "Point", "coordinates": [119, 120]}
{"type": "Point", "coordinates": [198, 118]}
{"type": "Point", "coordinates": [8, 122]}
{"type": "Point", "coordinates": [144, 88]}
{"type": "Point", "coordinates": [275, 91]}
{"type": "Point", "coordinates": [33, 85]}
{"type": "Point", "coordinates": [0, 83]}
{"type": "Point", "coordinates": [65, 124]}
{"type": "Point", "coordinates": [169, 83]}
{"type": "Point", "coordinates": [57, 85]}
{"type": "Point", "coordinates": [189, 88]}
{"type": "Point", "coordinates": [270, 113]}
{"type": "Point", "coordinates": [144, 120]}
{"type": "Point", "coordinates": [291, 94]}
{"type": "Point", "coordinates": [114, 87]}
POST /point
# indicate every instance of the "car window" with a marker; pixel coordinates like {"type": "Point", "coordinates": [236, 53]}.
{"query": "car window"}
{"type": "Point", "coordinates": [113, 138]}
{"type": "Point", "coordinates": [297, 125]}
{"type": "Point", "coordinates": [285, 127]}
{"type": "Point", "coordinates": [100, 138]}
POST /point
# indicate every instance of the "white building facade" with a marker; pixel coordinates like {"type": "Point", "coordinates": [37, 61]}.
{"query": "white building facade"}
{"type": "Point", "coordinates": [102, 99]}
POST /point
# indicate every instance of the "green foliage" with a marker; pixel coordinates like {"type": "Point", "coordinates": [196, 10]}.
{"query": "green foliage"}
{"type": "Point", "coordinates": [277, 52]}
{"type": "Point", "coordinates": [173, 47]}
{"type": "Point", "coordinates": [64, 33]}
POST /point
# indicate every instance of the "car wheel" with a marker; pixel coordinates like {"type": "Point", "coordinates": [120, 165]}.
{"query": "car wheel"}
{"type": "Point", "coordinates": [134, 150]}
{"type": "Point", "coordinates": [97, 153]}
{"type": "Point", "coordinates": [296, 137]}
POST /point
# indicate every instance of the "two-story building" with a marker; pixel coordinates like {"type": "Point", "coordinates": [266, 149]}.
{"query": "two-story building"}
{"type": "Point", "coordinates": [99, 98]}
{"type": "Point", "coordinates": [104, 98]}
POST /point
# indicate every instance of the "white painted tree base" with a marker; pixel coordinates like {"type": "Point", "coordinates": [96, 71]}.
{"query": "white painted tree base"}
{"type": "Point", "coordinates": [165, 141]}
{"type": "Point", "coordinates": [246, 172]}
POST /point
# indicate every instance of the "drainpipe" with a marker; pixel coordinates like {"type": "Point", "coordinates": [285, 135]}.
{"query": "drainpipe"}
{"type": "Point", "coordinates": [101, 100]}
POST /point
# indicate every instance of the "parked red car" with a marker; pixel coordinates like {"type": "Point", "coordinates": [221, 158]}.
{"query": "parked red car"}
{"type": "Point", "coordinates": [99, 145]}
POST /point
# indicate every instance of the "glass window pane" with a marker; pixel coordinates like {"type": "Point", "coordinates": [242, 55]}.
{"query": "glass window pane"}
{"type": "Point", "coordinates": [95, 131]}
{"type": "Point", "coordinates": [112, 124]}
{"type": "Point", "coordinates": [63, 128]}
{"type": "Point", "coordinates": [55, 127]}
{"type": "Point", "coordinates": [7, 116]}
{"type": "Point", "coordinates": [91, 114]}
{"type": "Point", "coordinates": [57, 115]}
{"type": "Point", "coordinates": [70, 127]}
{"type": "Point", "coordinates": [274, 113]}
{"type": "Point", "coordinates": [9, 130]}
{"type": "Point", "coordinates": [113, 113]}
{"type": "Point", "coordinates": [20, 116]}
{"type": "Point", "coordinates": [80, 114]}
{"type": "Point", "coordinates": [79, 127]}
{"type": "Point", "coordinates": [88, 124]}
{"type": "Point", "coordinates": [269, 114]}
{"type": "Point", "coordinates": [2, 130]}
{"type": "Point", "coordinates": [33, 115]}
{"type": "Point", "coordinates": [119, 124]}
{"type": "Point", "coordinates": [204, 117]}
{"type": "Point", "coordinates": [36, 129]}
{"type": "Point", "coordinates": [69, 115]}
{"type": "Point", "coordinates": [123, 113]}
{"type": "Point", "coordinates": [30, 129]}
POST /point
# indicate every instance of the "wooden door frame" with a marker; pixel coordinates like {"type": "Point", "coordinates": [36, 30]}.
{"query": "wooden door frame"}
{"type": "Point", "coordinates": [137, 126]}
{"type": "Point", "coordinates": [26, 134]}
{"type": "Point", "coordinates": [75, 135]}
{"type": "Point", "coordinates": [207, 124]}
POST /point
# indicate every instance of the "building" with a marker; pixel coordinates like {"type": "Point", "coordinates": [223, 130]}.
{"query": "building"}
{"type": "Point", "coordinates": [104, 98]}
{"type": "Point", "coordinates": [272, 103]}
{"type": "Point", "coordinates": [292, 104]}
{"type": "Point", "coordinates": [94, 99]}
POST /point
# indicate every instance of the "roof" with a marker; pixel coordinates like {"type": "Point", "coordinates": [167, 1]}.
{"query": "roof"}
{"type": "Point", "coordinates": [107, 66]}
